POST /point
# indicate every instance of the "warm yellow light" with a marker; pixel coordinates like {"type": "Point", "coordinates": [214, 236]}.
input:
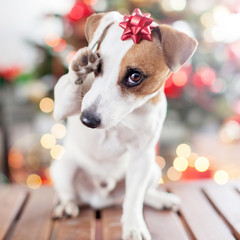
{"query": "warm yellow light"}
{"type": "Point", "coordinates": [160, 181]}
{"type": "Point", "coordinates": [174, 5]}
{"type": "Point", "coordinates": [173, 174]}
{"type": "Point", "coordinates": [34, 181]}
{"type": "Point", "coordinates": [220, 13]}
{"type": "Point", "coordinates": [58, 130]}
{"type": "Point", "coordinates": [183, 150]}
{"type": "Point", "coordinates": [48, 141]}
{"type": "Point", "coordinates": [180, 164]}
{"type": "Point", "coordinates": [46, 105]}
{"type": "Point", "coordinates": [201, 164]}
{"type": "Point", "coordinates": [207, 20]}
{"type": "Point", "coordinates": [57, 151]}
{"type": "Point", "coordinates": [192, 159]}
{"type": "Point", "coordinates": [221, 177]}
{"type": "Point", "coordinates": [160, 161]}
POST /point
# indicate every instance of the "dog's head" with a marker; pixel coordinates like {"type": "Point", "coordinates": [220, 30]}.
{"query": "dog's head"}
{"type": "Point", "coordinates": [131, 74]}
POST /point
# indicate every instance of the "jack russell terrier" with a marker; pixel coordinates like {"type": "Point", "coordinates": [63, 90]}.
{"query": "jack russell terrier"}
{"type": "Point", "coordinates": [113, 98]}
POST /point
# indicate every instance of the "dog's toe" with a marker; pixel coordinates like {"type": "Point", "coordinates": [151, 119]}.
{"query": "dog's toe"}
{"type": "Point", "coordinates": [70, 209]}
{"type": "Point", "coordinates": [137, 235]}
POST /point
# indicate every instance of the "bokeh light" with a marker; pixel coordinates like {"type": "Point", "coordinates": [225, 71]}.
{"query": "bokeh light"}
{"type": "Point", "coordinates": [221, 177]}
{"type": "Point", "coordinates": [180, 164]}
{"type": "Point", "coordinates": [160, 161]}
{"type": "Point", "coordinates": [183, 150]}
{"type": "Point", "coordinates": [48, 141]}
{"type": "Point", "coordinates": [173, 174]}
{"type": "Point", "coordinates": [34, 181]}
{"type": "Point", "coordinates": [70, 55]}
{"type": "Point", "coordinates": [15, 158]}
{"type": "Point", "coordinates": [52, 40]}
{"type": "Point", "coordinates": [59, 130]}
{"type": "Point", "coordinates": [46, 105]}
{"type": "Point", "coordinates": [57, 151]}
{"type": "Point", "coordinates": [202, 164]}
{"type": "Point", "coordinates": [180, 78]}
{"type": "Point", "coordinates": [61, 46]}
{"type": "Point", "coordinates": [192, 159]}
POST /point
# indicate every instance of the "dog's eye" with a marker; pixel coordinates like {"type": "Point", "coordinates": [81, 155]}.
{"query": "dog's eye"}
{"type": "Point", "coordinates": [134, 78]}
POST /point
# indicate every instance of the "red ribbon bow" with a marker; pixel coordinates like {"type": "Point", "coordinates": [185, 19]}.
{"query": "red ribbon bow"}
{"type": "Point", "coordinates": [137, 26]}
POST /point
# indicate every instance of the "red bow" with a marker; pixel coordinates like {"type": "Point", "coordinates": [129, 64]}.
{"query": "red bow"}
{"type": "Point", "coordinates": [137, 26]}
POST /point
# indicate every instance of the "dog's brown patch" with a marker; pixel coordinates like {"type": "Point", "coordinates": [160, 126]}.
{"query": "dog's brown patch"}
{"type": "Point", "coordinates": [148, 57]}
{"type": "Point", "coordinates": [92, 24]}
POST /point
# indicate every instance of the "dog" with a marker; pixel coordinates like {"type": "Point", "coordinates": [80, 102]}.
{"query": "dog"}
{"type": "Point", "coordinates": [114, 102]}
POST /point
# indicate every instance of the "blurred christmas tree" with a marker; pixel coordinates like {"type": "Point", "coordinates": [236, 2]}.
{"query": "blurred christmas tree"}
{"type": "Point", "coordinates": [204, 95]}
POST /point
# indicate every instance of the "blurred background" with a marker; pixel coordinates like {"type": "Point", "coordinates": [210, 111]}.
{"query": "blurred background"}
{"type": "Point", "coordinates": [201, 135]}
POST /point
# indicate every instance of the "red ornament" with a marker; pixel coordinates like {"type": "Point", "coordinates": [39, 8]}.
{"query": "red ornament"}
{"type": "Point", "coordinates": [137, 26]}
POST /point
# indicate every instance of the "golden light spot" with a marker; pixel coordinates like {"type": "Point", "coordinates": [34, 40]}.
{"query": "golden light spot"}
{"type": "Point", "coordinates": [15, 158]}
{"type": "Point", "coordinates": [61, 46]}
{"type": "Point", "coordinates": [192, 159]}
{"type": "Point", "coordinates": [57, 151]}
{"type": "Point", "coordinates": [180, 164]}
{"type": "Point", "coordinates": [221, 177]}
{"type": "Point", "coordinates": [34, 181]}
{"type": "Point", "coordinates": [48, 141]}
{"type": "Point", "coordinates": [202, 164]}
{"type": "Point", "coordinates": [46, 105]}
{"type": "Point", "coordinates": [180, 78]}
{"type": "Point", "coordinates": [173, 174]}
{"type": "Point", "coordinates": [183, 150]}
{"type": "Point", "coordinates": [59, 130]}
{"type": "Point", "coordinates": [160, 161]}
{"type": "Point", "coordinates": [160, 181]}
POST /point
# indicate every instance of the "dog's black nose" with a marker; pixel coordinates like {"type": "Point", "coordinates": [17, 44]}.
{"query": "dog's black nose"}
{"type": "Point", "coordinates": [89, 119]}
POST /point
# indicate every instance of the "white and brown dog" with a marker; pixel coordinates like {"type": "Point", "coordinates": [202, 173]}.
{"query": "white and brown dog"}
{"type": "Point", "coordinates": [118, 92]}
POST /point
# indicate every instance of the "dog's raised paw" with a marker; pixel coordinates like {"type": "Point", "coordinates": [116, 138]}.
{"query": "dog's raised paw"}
{"type": "Point", "coordinates": [83, 63]}
{"type": "Point", "coordinates": [69, 209]}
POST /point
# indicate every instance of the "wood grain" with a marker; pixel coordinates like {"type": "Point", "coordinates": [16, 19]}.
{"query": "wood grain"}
{"type": "Point", "coordinates": [199, 214]}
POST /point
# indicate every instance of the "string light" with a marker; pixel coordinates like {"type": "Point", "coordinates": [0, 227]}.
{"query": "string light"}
{"type": "Point", "coordinates": [160, 161]}
{"type": "Point", "coordinates": [57, 151]}
{"type": "Point", "coordinates": [173, 174]}
{"type": "Point", "coordinates": [221, 177]}
{"type": "Point", "coordinates": [201, 164]}
{"type": "Point", "coordinates": [180, 78]}
{"type": "Point", "coordinates": [59, 130]}
{"type": "Point", "coordinates": [192, 159]}
{"type": "Point", "coordinates": [34, 181]}
{"type": "Point", "coordinates": [48, 141]}
{"type": "Point", "coordinates": [46, 105]}
{"type": "Point", "coordinates": [180, 164]}
{"type": "Point", "coordinates": [183, 150]}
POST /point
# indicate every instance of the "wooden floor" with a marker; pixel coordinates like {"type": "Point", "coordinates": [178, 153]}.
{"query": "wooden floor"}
{"type": "Point", "coordinates": [208, 212]}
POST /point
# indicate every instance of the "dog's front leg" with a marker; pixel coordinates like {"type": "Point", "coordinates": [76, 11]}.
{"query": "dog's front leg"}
{"type": "Point", "coordinates": [70, 88]}
{"type": "Point", "coordinates": [137, 179]}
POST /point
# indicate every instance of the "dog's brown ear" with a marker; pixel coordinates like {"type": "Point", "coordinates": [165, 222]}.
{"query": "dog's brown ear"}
{"type": "Point", "coordinates": [177, 46]}
{"type": "Point", "coordinates": [92, 25]}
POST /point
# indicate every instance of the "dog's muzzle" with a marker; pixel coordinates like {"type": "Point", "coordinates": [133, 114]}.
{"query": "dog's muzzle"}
{"type": "Point", "coordinates": [89, 119]}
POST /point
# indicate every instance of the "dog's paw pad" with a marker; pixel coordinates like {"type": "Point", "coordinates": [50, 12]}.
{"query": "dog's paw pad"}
{"type": "Point", "coordinates": [69, 209]}
{"type": "Point", "coordinates": [84, 62]}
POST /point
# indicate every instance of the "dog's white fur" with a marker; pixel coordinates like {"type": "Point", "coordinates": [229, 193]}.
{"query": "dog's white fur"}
{"type": "Point", "coordinates": [122, 147]}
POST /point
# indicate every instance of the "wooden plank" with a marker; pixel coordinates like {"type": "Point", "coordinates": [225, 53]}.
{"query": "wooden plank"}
{"type": "Point", "coordinates": [82, 227]}
{"type": "Point", "coordinates": [163, 225]}
{"type": "Point", "coordinates": [227, 201]}
{"type": "Point", "coordinates": [111, 225]}
{"type": "Point", "coordinates": [35, 221]}
{"type": "Point", "coordinates": [12, 199]}
{"type": "Point", "coordinates": [202, 219]}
